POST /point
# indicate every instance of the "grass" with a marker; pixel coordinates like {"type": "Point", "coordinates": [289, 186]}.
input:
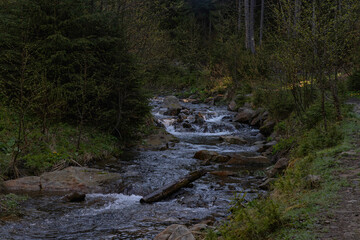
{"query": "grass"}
{"type": "Point", "coordinates": [54, 149]}
{"type": "Point", "coordinates": [10, 205]}
{"type": "Point", "coordinates": [291, 211]}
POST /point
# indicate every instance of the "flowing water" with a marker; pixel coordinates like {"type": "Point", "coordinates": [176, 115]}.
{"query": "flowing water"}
{"type": "Point", "coordinates": [121, 216]}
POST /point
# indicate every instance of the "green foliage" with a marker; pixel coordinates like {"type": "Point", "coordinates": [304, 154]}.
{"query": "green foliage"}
{"type": "Point", "coordinates": [10, 205]}
{"type": "Point", "coordinates": [256, 220]}
{"type": "Point", "coordinates": [284, 144]}
{"type": "Point", "coordinates": [319, 138]}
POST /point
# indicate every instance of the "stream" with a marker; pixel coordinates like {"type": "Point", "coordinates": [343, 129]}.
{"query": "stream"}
{"type": "Point", "coordinates": [121, 216]}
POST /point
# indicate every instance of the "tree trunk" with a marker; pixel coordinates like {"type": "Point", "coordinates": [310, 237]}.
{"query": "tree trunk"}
{"type": "Point", "coordinates": [239, 15]}
{"type": "Point", "coordinates": [247, 22]}
{"type": "Point", "coordinates": [252, 26]}
{"type": "Point", "coordinates": [172, 187]}
{"type": "Point", "coordinates": [262, 21]}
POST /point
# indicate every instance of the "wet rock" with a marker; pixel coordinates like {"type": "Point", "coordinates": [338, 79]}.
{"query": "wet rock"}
{"type": "Point", "coordinates": [199, 227]}
{"type": "Point", "coordinates": [182, 117]}
{"type": "Point", "coordinates": [199, 118]}
{"type": "Point", "coordinates": [233, 140]}
{"type": "Point", "coordinates": [158, 140]}
{"type": "Point", "coordinates": [244, 115]}
{"type": "Point", "coordinates": [172, 104]}
{"type": "Point", "coordinates": [223, 173]}
{"type": "Point", "coordinates": [75, 197]}
{"type": "Point", "coordinates": [28, 184]}
{"type": "Point", "coordinates": [207, 156]}
{"type": "Point", "coordinates": [278, 168]}
{"type": "Point", "coordinates": [71, 179]}
{"type": "Point", "coordinates": [243, 160]}
{"type": "Point", "coordinates": [77, 179]}
{"type": "Point", "coordinates": [186, 125]}
{"type": "Point", "coordinates": [267, 184]}
{"type": "Point", "coordinates": [268, 127]}
{"type": "Point", "coordinates": [175, 232]}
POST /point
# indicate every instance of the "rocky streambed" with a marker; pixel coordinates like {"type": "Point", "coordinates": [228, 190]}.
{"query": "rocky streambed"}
{"type": "Point", "coordinates": [202, 137]}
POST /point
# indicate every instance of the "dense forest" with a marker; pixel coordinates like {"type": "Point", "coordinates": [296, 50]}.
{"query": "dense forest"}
{"type": "Point", "coordinates": [76, 77]}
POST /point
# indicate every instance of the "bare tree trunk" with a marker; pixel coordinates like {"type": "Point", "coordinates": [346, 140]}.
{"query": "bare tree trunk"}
{"type": "Point", "coordinates": [252, 26]}
{"type": "Point", "coordinates": [247, 23]}
{"type": "Point", "coordinates": [262, 21]}
{"type": "Point", "coordinates": [296, 15]}
{"type": "Point", "coordinates": [239, 15]}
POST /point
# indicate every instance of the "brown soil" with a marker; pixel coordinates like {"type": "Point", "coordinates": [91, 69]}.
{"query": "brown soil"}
{"type": "Point", "coordinates": [343, 221]}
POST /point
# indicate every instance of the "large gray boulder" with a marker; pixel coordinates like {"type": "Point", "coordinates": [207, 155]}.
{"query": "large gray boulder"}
{"type": "Point", "coordinates": [175, 232]}
{"type": "Point", "coordinates": [71, 179]}
{"type": "Point", "coordinates": [212, 156]}
{"type": "Point", "coordinates": [172, 104]}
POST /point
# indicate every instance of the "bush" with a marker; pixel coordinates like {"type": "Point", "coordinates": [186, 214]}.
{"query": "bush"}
{"type": "Point", "coordinates": [318, 138]}
{"type": "Point", "coordinates": [255, 221]}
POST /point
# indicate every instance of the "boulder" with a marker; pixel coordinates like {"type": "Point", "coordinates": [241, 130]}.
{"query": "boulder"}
{"type": "Point", "coordinates": [232, 106]}
{"type": "Point", "coordinates": [258, 117]}
{"type": "Point", "coordinates": [268, 127]}
{"type": "Point", "coordinates": [78, 179]}
{"type": "Point", "coordinates": [158, 140]}
{"type": "Point", "coordinates": [27, 184]}
{"type": "Point", "coordinates": [207, 156]}
{"type": "Point", "coordinates": [175, 232]}
{"type": "Point", "coordinates": [244, 115]}
{"type": "Point", "coordinates": [239, 159]}
{"type": "Point", "coordinates": [233, 140]}
{"type": "Point", "coordinates": [278, 168]}
{"type": "Point", "coordinates": [68, 180]}
{"type": "Point", "coordinates": [172, 104]}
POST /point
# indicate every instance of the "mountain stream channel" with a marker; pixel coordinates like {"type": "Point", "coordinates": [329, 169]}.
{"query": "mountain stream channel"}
{"type": "Point", "coordinates": [122, 216]}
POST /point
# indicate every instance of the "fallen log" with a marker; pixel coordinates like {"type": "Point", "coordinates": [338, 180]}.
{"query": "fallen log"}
{"type": "Point", "coordinates": [172, 187]}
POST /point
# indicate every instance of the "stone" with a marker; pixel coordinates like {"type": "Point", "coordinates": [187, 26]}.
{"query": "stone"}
{"type": "Point", "coordinates": [206, 156]}
{"type": "Point", "coordinates": [312, 181]}
{"type": "Point", "coordinates": [77, 179]}
{"type": "Point", "coordinates": [173, 105]}
{"type": "Point", "coordinates": [75, 197]}
{"type": "Point", "coordinates": [233, 140]}
{"type": "Point", "coordinates": [158, 140]}
{"type": "Point", "coordinates": [186, 125]}
{"type": "Point", "coordinates": [267, 184]}
{"type": "Point", "coordinates": [199, 227]}
{"type": "Point", "coordinates": [232, 106]}
{"type": "Point", "coordinates": [68, 180]}
{"type": "Point", "coordinates": [267, 128]}
{"type": "Point", "coordinates": [199, 119]}
{"type": "Point", "coordinates": [27, 184]}
{"type": "Point", "coordinates": [181, 233]}
{"type": "Point", "coordinates": [223, 173]}
{"type": "Point", "coordinates": [278, 168]}
{"type": "Point", "coordinates": [175, 232]}
{"type": "Point", "coordinates": [239, 159]}
{"type": "Point", "coordinates": [259, 117]}
{"type": "Point", "coordinates": [244, 115]}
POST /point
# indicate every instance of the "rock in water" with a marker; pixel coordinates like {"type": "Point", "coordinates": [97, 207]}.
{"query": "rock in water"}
{"type": "Point", "coordinates": [71, 179]}
{"type": "Point", "coordinates": [243, 160]}
{"type": "Point", "coordinates": [233, 140]}
{"type": "Point", "coordinates": [173, 105]}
